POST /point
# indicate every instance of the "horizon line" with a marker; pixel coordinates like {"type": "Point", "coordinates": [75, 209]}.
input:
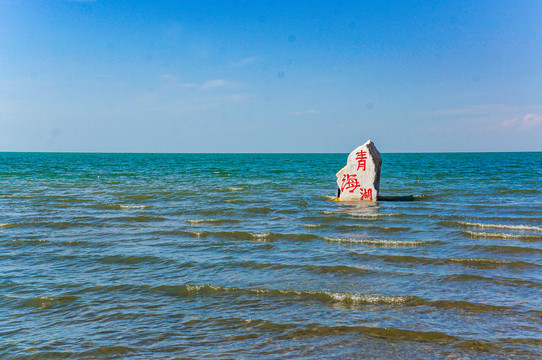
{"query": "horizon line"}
{"type": "Point", "coordinates": [256, 153]}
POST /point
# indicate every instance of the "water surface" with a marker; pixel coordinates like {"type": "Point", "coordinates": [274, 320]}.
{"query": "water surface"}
{"type": "Point", "coordinates": [245, 256]}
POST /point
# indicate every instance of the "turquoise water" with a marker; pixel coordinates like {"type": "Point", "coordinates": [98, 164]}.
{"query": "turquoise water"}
{"type": "Point", "coordinates": [166, 256]}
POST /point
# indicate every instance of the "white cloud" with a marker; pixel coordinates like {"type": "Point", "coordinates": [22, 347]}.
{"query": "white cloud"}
{"type": "Point", "coordinates": [475, 110]}
{"type": "Point", "coordinates": [213, 84]}
{"type": "Point", "coordinates": [210, 84]}
{"type": "Point", "coordinates": [305, 112]}
{"type": "Point", "coordinates": [526, 123]}
{"type": "Point", "coordinates": [187, 85]}
{"type": "Point", "coordinates": [482, 110]}
{"type": "Point", "coordinates": [246, 61]}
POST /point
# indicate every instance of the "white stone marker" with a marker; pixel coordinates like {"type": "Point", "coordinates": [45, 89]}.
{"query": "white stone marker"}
{"type": "Point", "coordinates": [360, 178]}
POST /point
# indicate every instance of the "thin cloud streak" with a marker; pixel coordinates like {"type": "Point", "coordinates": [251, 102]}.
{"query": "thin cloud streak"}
{"type": "Point", "coordinates": [305, 112]}
{"type": "Point", "coordinates": [475, 110]}
{"type": "Point", "coordinates": [209, 84]}
{"type": "Point", "coordinates": [216, 83]}
{"type": "Point", "coordinates": [246, 62]}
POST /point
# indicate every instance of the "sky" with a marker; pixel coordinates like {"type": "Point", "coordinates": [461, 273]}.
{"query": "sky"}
{"type": "Point", "coordinates": [270, 76]}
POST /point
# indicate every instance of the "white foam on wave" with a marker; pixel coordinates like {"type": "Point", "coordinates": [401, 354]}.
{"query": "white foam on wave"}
{"type": "Point", "coordinates": [235, 188]}
{"type": "Point", "coordinates": [484, 234]}
{"type": "Point", "coordinates": [260, 236]}
{"type": "Point", "coordinates": [501, 226]}
{"type": "Point", "coordinates": [360, 214]}
{"type": "Point", "coordinates": [200, 221]}
{"type": "Point", "coordinates": [128, 207]}
{"type": "Point", "coordinates": [312, 225]}
{"type": "Point", "coordinates": [364, 299]}
{"type": "Point", "coordinates": [203, 221]}
{"type": "Point", "coordinates": [19, 196]}
{"type": "Point", "coordinates": [343, 297]}
{"type": "Point", "coordinates": [339, 297]}
{"type": "Point", "coordinates": [380, 242]}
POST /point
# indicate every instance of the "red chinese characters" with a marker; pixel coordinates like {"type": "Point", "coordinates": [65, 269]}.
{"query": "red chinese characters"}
{"type": "Point", "coordinates": [361, 157]}
{"type": "Point", "coordinates": [350, 182]}
{"type": "Point", "coordinates": [366, 194]}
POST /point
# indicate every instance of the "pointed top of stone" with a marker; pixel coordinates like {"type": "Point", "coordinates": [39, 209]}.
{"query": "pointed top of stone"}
{"type": "Point", "coordinates": [360, 178]}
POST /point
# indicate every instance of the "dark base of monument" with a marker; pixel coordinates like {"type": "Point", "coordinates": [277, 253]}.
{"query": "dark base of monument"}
{"type": "Point", "coordinates": [400, 198]}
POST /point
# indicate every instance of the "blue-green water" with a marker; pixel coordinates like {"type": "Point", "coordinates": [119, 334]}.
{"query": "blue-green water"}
{"type": "Point", "coordinates": [165, 256]}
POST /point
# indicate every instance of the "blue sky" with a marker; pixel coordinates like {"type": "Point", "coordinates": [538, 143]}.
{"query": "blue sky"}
{"type": "Point", "coordinates": [270, 76]}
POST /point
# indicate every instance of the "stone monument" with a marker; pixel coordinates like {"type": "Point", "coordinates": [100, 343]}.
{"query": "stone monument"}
{"type": "Point", "coordinates": [360, 178]}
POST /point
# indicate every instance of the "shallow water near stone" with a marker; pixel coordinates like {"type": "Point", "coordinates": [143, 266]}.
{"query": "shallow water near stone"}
{"type": "Point", "coordinates": [166, 256]}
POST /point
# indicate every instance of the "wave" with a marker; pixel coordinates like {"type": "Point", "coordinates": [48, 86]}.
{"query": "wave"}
{"type": "Point", "coordinates": [138, 197]}
{"type": "Point", "coordinates": [232, 189]}
{"type": "Point", "coordinates": [323, 296]}
{"type": "Point", "coordinates": [312, 225]}
{"type": "Point", "coordinates": [27, 242]}
{"type": "Point", "coordinates": [484, 263]}
{"type": "Point", "coordinates": [53, 224]}
{"type": "Point", "coordinates": [378, 215]}
{"type": "Point", "coordinates": [289, 331]}
{"type": "Point", "coordinates": [18, 196]}
{"type": "Point", "coordinates": [380, 242]}
{"type": "Point", "coordinates": [507, 249]}
{"type": "Point", "coordinates": [133, 259]}
{"type": "Point", "coordinates": [494, 226]}
{"type": "Point", "coordinates": [235, 201]}
{"type": "Point", "coordinates": [74, 200]}
{"type": "Point", "coordinates": [214, 221]}
{"type": "Point", "coordinates": [479, 263]}
{"type": "Point", "coordinates": [329, 297]}
{"type": "Point", "coordinates": [259, 210]}
{"type": "Point", "coordinates": [503, 281]}
{"type": "Point", "coordinates": [119, 206]}
{"type": "Point", "coordinates": [6, 225]}
{"type": "Point", "coordinates": [500, 235]}
{"type": "Point", "coordinates": [46, 242]}
{"type": "Point", "coordinates": [523, 341]}
{"type": "Point", "coordinates": [141, 218]}
{"type": "Point", "coordinates": [521, 191]}
{"type": "Point", "coordinates": [239, 235]}
{"type": "Point", "coordinates": [385, 229]}
{"type": "Point", "coordinates": [318, 269]}
{"type": "Point", "coordinates": [46, 302]}
{"type": "Point", "coordinates": [373, 331]}
{"type": "Point", "coordinates": [101, 351]}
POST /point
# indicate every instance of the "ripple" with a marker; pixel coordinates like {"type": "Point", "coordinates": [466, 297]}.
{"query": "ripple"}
{"type": "Point", "coordinates": [239, 235]}
{"type": "Point", "coordinates": [379, 242]}
{"type": "Point", "coordinates": [479, 263]}
{"type": "Point", "coordinates": [119, 206]}
{"type": "Point", "coordinates": [46, 302]}
{"type": "Point", "coordinates": [500, 235]}
{"type": "Point", "coordinates": [483, 263]}
{"type": "Point", "coordinates": [493, 226]}
{"type": "Point", "coordinates": [6, 225]}
{"type": "Point", "coordinates": [329, 297]}
{"type": "Point", "coordinates": [141, 218]}
{"type": "Point", "coordinates": [213, 221]}
{"type": "Point", "coordinates": [324, 296]}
